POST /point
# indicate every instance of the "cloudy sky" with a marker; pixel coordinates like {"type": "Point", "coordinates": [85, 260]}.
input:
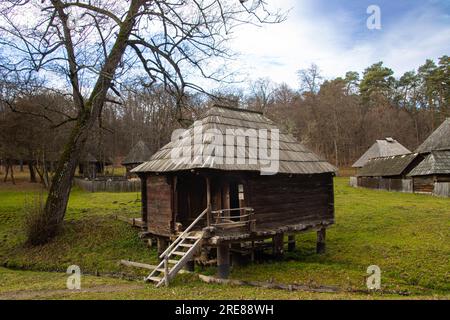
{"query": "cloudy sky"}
{"type": "Point", "coordinates": [334, 35]}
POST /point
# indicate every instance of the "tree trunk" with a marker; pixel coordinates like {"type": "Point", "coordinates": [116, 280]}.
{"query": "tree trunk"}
{"type": "Point", "coordinates": [9, 169]}
{"type": "Point", "coordinates": [90, 111]}
{"type": "Point", "coordinates": [6, 171]}
{"type": "Point", "coordinates": [58, 196]}
{"type": "Point", "coordinates": [12, 173]}
{"type": "Point", "coordinates": [32, 172]}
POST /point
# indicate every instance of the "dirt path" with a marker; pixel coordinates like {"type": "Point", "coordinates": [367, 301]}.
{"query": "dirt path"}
{"type": "Point", "coordinates": [41, 294]}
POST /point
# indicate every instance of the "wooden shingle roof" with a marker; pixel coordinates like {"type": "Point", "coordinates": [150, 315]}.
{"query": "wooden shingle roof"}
{"type": "Point", "coordinates": [294, 158]}
{"type": "Point", "coordinates": [381, 148]}
{"type": "Point", "coordinates": [438, 140]}
{"type": "Point", "coordinates": [387, 166]}
{"type": "Point", "coordinates": [437, 162]}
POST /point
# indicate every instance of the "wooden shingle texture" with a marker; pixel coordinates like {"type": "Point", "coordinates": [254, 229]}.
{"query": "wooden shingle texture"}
{"type": "Point", "coordinates": [294, 158]}
{"type": "Point", "coordinates": [437, 162]}
{"type": "Point", "coordinates": [381, 148]}
{"type": "Point", "coordinates": [387, 166]}
{"type": "Point", "coordinates": [438, 140]}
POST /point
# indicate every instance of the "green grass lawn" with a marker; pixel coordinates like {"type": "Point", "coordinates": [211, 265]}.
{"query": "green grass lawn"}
{"type": "Point", "coordinates": [406, 235]}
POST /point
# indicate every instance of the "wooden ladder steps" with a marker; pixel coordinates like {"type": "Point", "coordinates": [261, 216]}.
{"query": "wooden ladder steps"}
{"type": "Point", "coordinates": [154, 279]}
{"type": "Point", "coordinates": [186, 245]}
{"type": "Point", "coordinates": [173, 261]}
{"type": "Point", "coordinates": [192, 237]}
{"type": "Point", "coordinates": [178, 253]}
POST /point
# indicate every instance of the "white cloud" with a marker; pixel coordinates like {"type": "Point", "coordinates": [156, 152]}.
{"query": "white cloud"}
{"type": "Point", "coordinates": [335, 43]}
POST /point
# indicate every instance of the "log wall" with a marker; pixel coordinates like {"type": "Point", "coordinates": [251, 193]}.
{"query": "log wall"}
{"type": "Point", "coordinates": [442, 189]}
{"type": "Point", "coordinates": [159, 205]}
{"type": "Point", "coordinates": [282, 200]}
{"type": "Point", "coordinates": [423, 184]}
{"type": "Point", "coordinates": [390, 184]}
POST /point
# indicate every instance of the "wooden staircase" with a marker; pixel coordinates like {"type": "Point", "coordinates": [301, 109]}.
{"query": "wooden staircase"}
{"type": "Point", "coordinates": [180, 252]}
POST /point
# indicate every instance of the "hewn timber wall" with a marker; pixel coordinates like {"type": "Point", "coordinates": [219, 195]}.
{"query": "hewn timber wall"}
{"type": "Point", "coordinates": [424, 184]}
{"type": "Point", "coordinates": [108, 186]}
{"type": "Point", "coordinates": [282, 200]}
{"type": "Point", "coordinates": [394, 184]}
{"type": "Point", "coordinates": [369, 182]}
{"type": "Point", "coordinates": [442, 189]}
{"type": "Point", "coordinates": [407, 185]}
{"type": "Point", "coordinates": [159, 205]}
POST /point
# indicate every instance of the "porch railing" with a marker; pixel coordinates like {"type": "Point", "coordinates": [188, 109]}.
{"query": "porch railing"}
{"type": "Point", "coordinates": [227, 219]}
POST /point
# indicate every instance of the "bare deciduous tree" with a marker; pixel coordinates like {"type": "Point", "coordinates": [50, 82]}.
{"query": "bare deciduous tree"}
{"type": "Point", "coordinates": [97, 45]}
{"type": "Point", "coordinates": [310, 79]}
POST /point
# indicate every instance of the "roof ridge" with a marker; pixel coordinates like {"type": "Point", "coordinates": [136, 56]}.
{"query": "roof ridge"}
{"type": "Point", "coordinates": [234, 109]}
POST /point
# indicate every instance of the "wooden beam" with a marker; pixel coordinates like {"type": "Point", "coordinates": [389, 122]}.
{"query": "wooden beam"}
{"type": "Point", "coordinates": [226, 198]}
{"type": "Point", "coordinates": [223, 260]}
{"type": "Point", "coordinates": [291, 243]}
{"type": "Point", "coordinates": [144, 198]}
{"type": "Point", "coordinates": [278, 244]}
{"type": "Point", "coordinates": [320, 246]}
{"type": "Point", "coordinates": [269, 285]}
{"type": "Point", "coordinates": [162, 245]}
{"type": "Point", "coordinates": [190, 266]}
{"type": "Point", "coordinates": [129, 263]}
{"type": "Point", "coordinates": [175, 200]}
{"type": "Point", "coordinates": [208, 201]}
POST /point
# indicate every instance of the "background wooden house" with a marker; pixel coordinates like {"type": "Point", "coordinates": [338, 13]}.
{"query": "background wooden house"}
{"type": "Point", "coordinates": [433, 171]}
{"type": "Point", "coordinates": [389, 173]}
{"type": "Point", "coordinates": [381, 148]}
{"type": "Point", "coordinates": [89, 167]}
{"type": "Point", "coordinates": [140, 153]}
{"type": "Point", "coordinates": [432, 175]}
{"type": "Point", "coordinates": [216, 205]}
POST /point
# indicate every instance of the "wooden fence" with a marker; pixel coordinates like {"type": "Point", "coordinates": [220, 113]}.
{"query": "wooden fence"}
{"type": "Point", "coordinates": [442, 189]}
{"type": "Point", "coordinates": [109, 185]}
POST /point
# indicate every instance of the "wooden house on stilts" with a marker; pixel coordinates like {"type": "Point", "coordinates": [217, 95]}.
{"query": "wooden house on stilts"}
{"type": "Point", "coordinates": [209, 192]}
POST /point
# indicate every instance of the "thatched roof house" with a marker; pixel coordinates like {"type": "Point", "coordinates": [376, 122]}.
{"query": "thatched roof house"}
{"type": "Point", "coordinates": [89, 166]}
{"type": "Point", "coordinates": [212, 180]}
{"type": "Point", "coordinates": [138, 154]}
{"type": "Point", "coordinates": [381, 148]}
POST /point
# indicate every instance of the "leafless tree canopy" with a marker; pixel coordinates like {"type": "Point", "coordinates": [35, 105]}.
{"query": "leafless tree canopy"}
{"type": "Point", "coordinates": [97, 47]}
{"type": "Point", "coordinates": [170, 42]}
